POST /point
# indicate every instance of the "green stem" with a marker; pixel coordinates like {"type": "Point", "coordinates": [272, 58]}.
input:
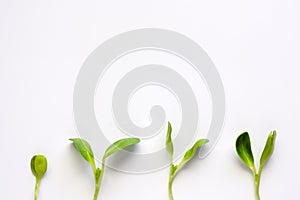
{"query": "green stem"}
{"type": "Point", "coordinates": [257, 183]}
{"type": "Point", "coordinates": [98, 180]}
{"type": "Point", "coordinates": [97, 189]}
{"type": "Point", "coordinates": [170, 189]}
{"type": "Point", "coordinates": [171, 178]}
{"type": "Point", "coordinates": [36, 190]}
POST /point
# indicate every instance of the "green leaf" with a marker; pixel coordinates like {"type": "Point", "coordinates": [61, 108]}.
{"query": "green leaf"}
{"type": "Point", "coordinates": [243, 148]}
{"type": "Point", "coordinates": [38, 166]}
{"type": "Point", "coordinates": [84, 148]}
{"type": "Point", "coordinates": [268, 150]}
{"type": "Point", "coordinates": [119, 145]}
{"type": "Point", "coordinates": [192, 151]}
{"type": "Point", "coordinates": [169, 143]}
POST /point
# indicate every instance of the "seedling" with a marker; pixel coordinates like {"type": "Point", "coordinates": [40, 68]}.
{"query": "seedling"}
{"type": "Point", "coordinates": [243, 148]}
{"type": "Point", "coordinates": [186, 158]}
{"type": "Point", "coordinates": [38, 166]}
{"type": "Point", "coordinates": [86, 152]}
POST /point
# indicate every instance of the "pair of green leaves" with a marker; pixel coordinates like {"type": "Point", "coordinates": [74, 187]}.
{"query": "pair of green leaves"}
{"type": "Point", "coordinates": [186, 158]}
{"type": "Point", "coordinates": [38, 165]}
{"type": "Point", "coordinates": [86, 152]}
{"type": "Point", "coordinates": [244, 151]}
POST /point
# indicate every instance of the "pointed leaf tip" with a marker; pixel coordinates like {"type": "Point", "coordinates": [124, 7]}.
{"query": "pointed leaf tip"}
{"type": "Point", "coordinates": [192, 151]}
{"type": "Point", "coordinates": [169, 143]}
{"type": "Point", "coordinates": [268, 150]}
{"type": "Point", "coordinates": [119, 145]}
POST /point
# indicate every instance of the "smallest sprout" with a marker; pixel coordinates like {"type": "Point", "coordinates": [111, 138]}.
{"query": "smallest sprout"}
{"type": "Point", "coordinates": [38, 166]}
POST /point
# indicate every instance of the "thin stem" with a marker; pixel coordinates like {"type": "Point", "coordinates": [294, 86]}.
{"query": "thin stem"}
{"type": "Point", "coordinates": [257, 183]}
{"type": "Point", "coordinates": [98, 180]}
{"type": "Point", "coordinates": [170, 189]}
{"type": "Point", "coordinates": [171, 177]}
{"type": "Point", "coordinates": [97, 189]}
{"type": "Point", "coordinates": [36, 190]}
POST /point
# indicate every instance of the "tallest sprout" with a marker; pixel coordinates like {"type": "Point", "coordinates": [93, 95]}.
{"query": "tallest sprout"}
{"type": "Point", "coordinates": [189, 154]}
{"type": "Point", "coordinates": [243, 148]}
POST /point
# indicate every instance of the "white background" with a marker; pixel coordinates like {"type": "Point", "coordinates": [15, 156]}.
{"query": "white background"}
{"type": "Point", "coordinates": [254, 44]}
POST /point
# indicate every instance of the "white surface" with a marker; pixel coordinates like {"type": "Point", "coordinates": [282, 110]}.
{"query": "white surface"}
{"type": "Point", "coordinates": [254, 44]}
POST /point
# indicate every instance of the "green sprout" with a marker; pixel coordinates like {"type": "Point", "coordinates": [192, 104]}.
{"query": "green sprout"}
{"type": "Point", "coordinates": [86, 152]}
{"type": "Point", "coordinates": [38, 166]}
{"type": "Point", "coordinates": [243, 148]}
{"type": "Point", "coordinates": [186, 158]}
